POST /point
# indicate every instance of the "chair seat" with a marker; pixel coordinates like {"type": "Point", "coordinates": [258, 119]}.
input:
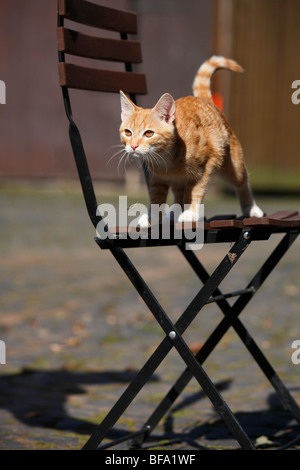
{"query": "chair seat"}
{"type": "Point", "coordinates": [220, 228]}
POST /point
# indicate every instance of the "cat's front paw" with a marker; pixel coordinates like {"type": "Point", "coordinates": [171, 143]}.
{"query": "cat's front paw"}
{"type": "Point", "coordinates": [189, 216]}
{"type": "Point", "coordinates": [253, 211]}
{"type": "Point", "coordinates": [143, 221]}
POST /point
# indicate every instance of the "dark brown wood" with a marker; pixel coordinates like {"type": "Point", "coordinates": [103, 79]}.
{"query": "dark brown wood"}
{"type": "Point", "coordinates": [234, 223]}
{"type": "Point", "coordinates": [279, 219]}
{"type": "Point", "coordinates": [84, 78]}
{"type": "Point", "coordinates": [223, 221]}
{"type": "Point", "coordinates": [293, 221]}
{"type": "Point", "coordinates": [98, 16]}
{"type": "Point", "coordinates": [79, 44]}
{"type": "Point", "coordinates": [227, 230]}
{"type": "Point", "coordinates": [282, 214]}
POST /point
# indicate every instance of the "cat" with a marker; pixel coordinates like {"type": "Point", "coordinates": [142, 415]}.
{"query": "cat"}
{"type": "Point", "coordinates": [183, 143]}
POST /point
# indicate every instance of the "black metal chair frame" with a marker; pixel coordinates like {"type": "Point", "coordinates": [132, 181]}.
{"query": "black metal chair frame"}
{"type": "Point", "coordinates": [241, 233]}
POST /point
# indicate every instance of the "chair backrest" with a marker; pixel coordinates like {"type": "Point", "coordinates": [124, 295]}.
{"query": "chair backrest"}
{"type": "Point", "coordinates": [75, 43]}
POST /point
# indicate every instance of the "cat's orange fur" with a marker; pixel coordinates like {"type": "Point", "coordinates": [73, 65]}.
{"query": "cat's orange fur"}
{"type": "Point", "coordinates": [184, 142]}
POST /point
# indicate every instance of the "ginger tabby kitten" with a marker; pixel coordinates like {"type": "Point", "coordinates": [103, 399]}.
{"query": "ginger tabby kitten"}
{"type": "Point", "coordinates": [183, 143]}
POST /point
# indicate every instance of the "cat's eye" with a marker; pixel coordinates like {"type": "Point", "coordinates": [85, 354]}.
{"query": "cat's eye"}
{"type": "Point", "coordinates": [128, 133]}
{"type": "Point", "coordinates": [149, 133]}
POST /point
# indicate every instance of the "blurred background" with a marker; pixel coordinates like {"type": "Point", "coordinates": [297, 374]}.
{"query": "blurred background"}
{"type": "Point", "coordinates": [176, 36]}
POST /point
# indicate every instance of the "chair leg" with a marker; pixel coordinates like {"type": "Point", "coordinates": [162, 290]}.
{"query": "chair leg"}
{"type": "Point", "coordinates": [174, 338]}
{"type": "Point", "coordinates": [231, 319]}
{"type": "Point", "coordinates": [232, 313]}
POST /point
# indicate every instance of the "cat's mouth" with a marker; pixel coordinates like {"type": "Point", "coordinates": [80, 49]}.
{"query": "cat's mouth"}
{"type": "Point", "coordinates": [136, 154]}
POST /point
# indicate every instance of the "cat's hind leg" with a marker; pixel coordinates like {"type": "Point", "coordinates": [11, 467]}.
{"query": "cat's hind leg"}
{"type": "Point", "coordinates": [235, 173]}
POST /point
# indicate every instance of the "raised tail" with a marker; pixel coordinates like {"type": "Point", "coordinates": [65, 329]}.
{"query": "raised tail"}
{"type": "Point", "coordinates": [201, 85]}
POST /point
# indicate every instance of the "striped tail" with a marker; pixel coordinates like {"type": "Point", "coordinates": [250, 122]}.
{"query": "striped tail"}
{"type": "Point", "coordinates": [201, 85]}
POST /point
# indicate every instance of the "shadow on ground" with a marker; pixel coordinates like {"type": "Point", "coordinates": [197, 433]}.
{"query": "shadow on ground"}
{"type": "Point", "coordinates": [37, 398]}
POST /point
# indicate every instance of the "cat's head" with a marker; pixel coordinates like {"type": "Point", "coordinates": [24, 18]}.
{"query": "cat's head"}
{"type": "Point", "coordinates": [147, 131]}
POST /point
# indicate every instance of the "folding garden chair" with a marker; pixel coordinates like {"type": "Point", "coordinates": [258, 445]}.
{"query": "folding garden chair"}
{"type": "Point", "coordinates": [240, 232]}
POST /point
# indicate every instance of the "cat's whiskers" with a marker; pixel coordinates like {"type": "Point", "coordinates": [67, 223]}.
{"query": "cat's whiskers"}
{"type": "Point", "coordinates": [116, 146]}
{"type": "Point", "coordinates": [144, 160]}
{"type": "Point", "coordinates": [134, 158]}
{"type": "Point", "coordinates": [124, 158]}
{"type": "Point", "coordinates": [150, 162]}
{"type": "Point", "coordinates": [157, 159]}
{"type": "Point", "coordinates": [122, 149]}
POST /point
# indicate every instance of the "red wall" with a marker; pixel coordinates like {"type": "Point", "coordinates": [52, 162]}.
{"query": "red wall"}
{"type": "Point", "coordinates": [33, 127]}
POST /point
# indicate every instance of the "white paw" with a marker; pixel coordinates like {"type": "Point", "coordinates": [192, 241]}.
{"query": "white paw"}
{"type": "Point", "coordinates": [253, 211]}
{"type": "Point", "coordinates": [256, 212]}
{"type": "Point", "coordinates": [189, 216]}
{"type": "Point", "coordinates": [144, 221]}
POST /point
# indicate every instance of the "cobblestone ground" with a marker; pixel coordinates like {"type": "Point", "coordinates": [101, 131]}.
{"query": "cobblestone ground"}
{"type": "Point", "coordinates": [76, 332]}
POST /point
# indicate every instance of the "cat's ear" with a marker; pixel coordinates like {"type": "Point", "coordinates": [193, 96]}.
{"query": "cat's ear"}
{"type": "Point", "coordinates": [127, 106]}
{"type": "Point", "coordinates": [165, 108]}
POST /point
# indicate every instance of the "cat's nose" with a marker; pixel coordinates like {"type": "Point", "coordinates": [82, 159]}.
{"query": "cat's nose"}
{"type": "Point", "coordinates": [134, 146]}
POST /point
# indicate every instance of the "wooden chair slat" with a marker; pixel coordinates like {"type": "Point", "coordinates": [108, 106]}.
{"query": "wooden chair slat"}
{"type": "Point", "coordinates": [226, 223]}
{"type": "Point", "coordinates": [279, 219]}
{"type": "Point", "coordinates": [293, 221]}
{"type": "Point", "coordinates": [84, 78]}
{"type": "Point", "coordinates": [282, 214]}
{"type": "Point", "coordinates": [252, 221]}
{"type": "Point", "coordinates": [79, 44]}
{"type": "Point", "coordinates": [98, 16]}
{"type": "Point", "coordinates": [222, 217]}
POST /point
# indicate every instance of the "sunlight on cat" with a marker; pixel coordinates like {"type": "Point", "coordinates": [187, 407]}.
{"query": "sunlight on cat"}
{"type": "Point", "coordinates": [183, 143]}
